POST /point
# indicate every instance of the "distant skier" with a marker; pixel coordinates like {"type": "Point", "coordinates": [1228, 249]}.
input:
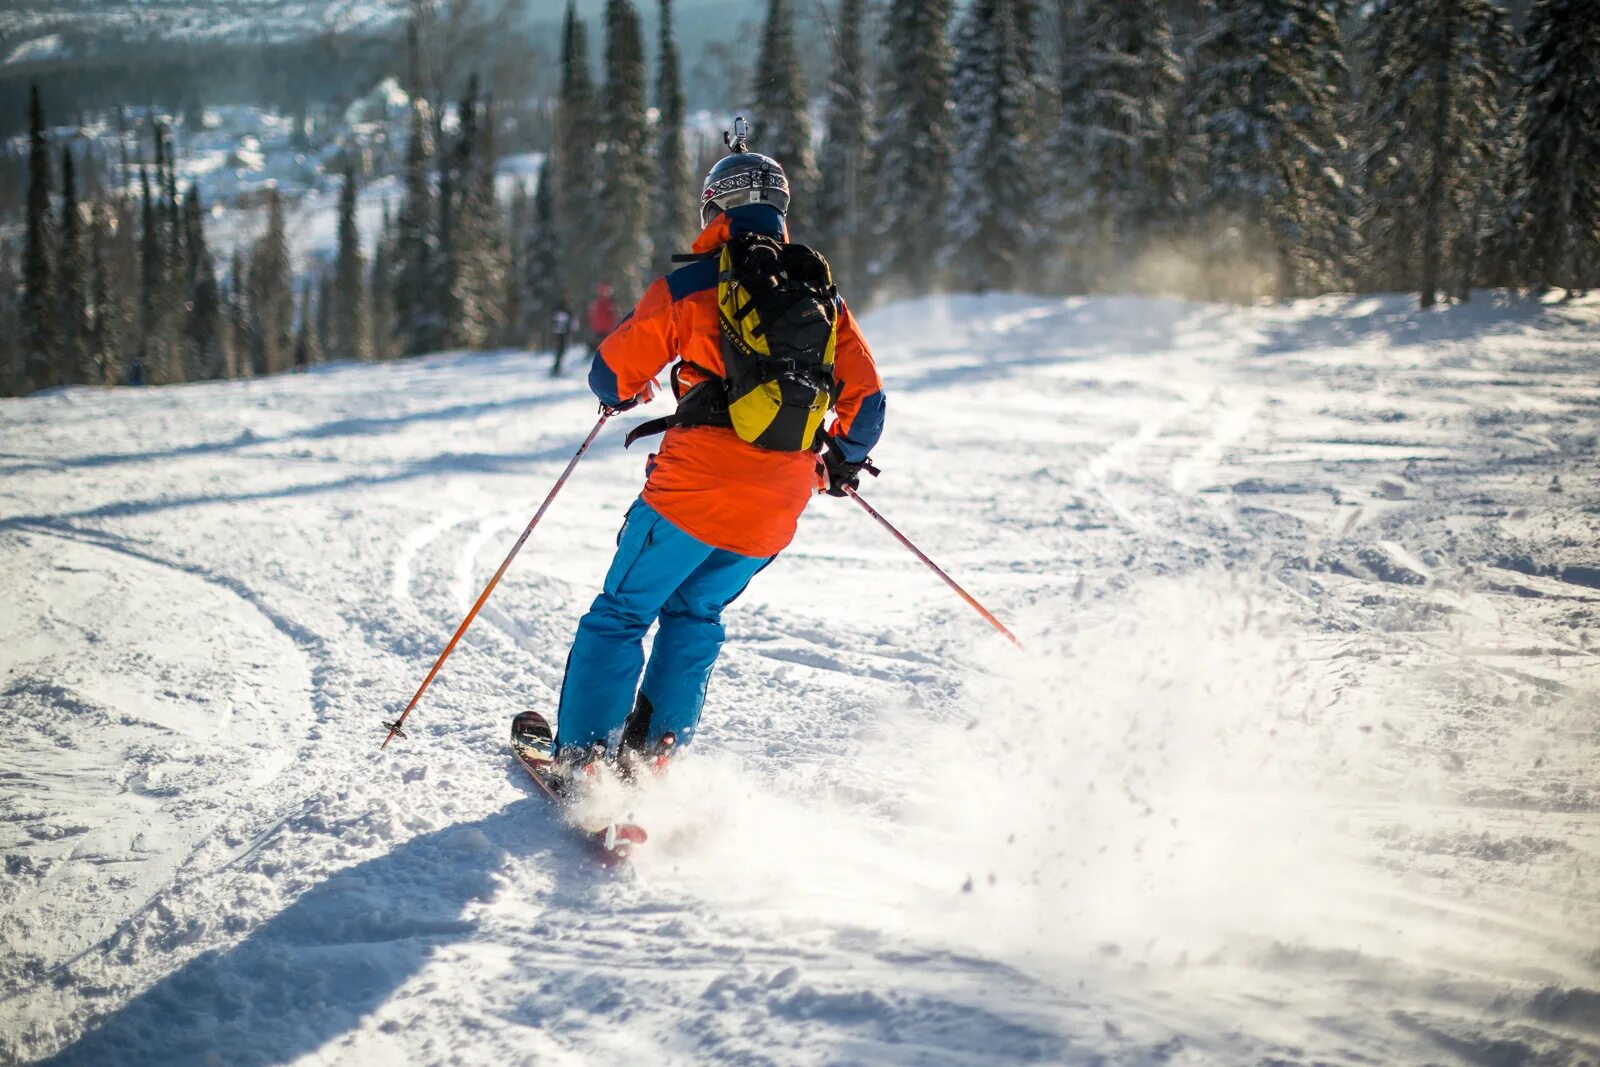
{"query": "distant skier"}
{"type": "Point", "coordinates": [602, 314]}
{"type": "Point", "coordinates": [561, 322]}
{"type": "Point", "coordinates": [765, 348]}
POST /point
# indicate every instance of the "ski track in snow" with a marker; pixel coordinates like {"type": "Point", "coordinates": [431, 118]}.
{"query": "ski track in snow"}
{"type": "Point", "coordinates": [1299, 765]}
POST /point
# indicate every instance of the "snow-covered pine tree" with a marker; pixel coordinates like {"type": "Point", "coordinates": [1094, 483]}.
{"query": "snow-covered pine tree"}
{"type": "Point", "coordinates": [352, 328]}
{"type": "Point", "coordinates": [671, 229]}
{"type": "Point", "coordinates": [71, 281]}
{"type": "Point", "coordinates": [418, 291]}
{"type": "Point", "coordinates": [455, 166]}
{"type": "Point", "coordinates": [172, 235]}
{"type": "Point", "coordinates": [576, 170]}
{"type": "Point", "coordinates": [994, 201]}
{"type": "Point", "coordinates": [324, 328]}
{"type": "Point", "coordinates": [205, 333]}
{"type": "Point", "coordinates": [913, 149]}
{"type": "Point", "coordinates": [472, 240]}
{"type": "Point", "coordinates": [1272, 207]}
{"type": "Point", "coordinates": [99, 360]}
{"type": "Point", "coordinates": [244, 331]}
{"type": "Point", "coordinates": [1113, 171]}
{"type": "Point", "coordinates": [147, 350]}
{"type": "Point", "coordinates": [306, 351]}
{"type": "Point", "coordinates": [10, 320]}
{"type": "Point", "coordinates": [623, 225]}
{"type": "Point", "coordinates": [543, 257]}
{"type": "Point", "coordinates": [381, 290]}
{"type": "Point", "coordinates": [41, 333]}
{"type": "Point", "coordinates": [844, 169]}
{"type": "Point", "coordinates": [515, 282]}
{"type": "Point", "coordinates": [272, 293]}
{"type": "Point", "coordinates": [488, 231]}
{"type": "Point", "coordinates": [1561, 161]}
{"type": "Point", "coordinates": [124, 286]}
{"type": "Point", "coordinates": [781, 116]}
{"type": "Point", "coordinates": [1434, 108]}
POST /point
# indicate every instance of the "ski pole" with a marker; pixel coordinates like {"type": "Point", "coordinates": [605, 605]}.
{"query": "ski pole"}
{"type": "Point", "coordinates": [395, 727]}
{"type": "Point", "coordinates": [923, 556]}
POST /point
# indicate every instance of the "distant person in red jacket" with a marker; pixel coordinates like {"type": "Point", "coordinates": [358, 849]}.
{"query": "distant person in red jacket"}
{"type": "Point", "coordinates": [602, 315]}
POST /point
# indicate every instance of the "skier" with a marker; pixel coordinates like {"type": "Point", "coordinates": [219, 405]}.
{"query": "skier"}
{"type": "Point", "coordinates": [602, 314]}
{"type": "Point", "coordinates": [561, 331]}
{"type": "Point", "coordinates": [716, 508]}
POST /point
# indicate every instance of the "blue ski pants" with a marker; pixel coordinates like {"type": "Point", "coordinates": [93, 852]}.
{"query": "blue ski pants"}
{"type": "Point", "coordinates": [659, 572]}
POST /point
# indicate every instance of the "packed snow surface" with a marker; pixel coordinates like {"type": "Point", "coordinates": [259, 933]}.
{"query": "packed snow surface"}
{"type": "Point", "coordinates": [1298, 766]}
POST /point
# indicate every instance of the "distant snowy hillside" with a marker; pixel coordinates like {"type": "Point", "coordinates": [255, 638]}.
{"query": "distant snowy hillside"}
{"type": "Point", "coordinates": [1298, 766]}
{"type": "Point", "coordinates": [213, 20]}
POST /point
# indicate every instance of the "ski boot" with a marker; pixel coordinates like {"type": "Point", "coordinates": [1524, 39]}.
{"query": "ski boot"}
{"type": "Point", "coordinates": [573, 767]}
{"type": "Point", "coordinates": [632, 763]}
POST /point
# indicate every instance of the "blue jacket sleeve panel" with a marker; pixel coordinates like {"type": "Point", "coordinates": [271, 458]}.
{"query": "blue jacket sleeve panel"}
{"type": "Point", "coordinates": [860, 409]}
{"type": "Point", "coordinates": [865, 429]}
{"type": "Point", "coordinates": [603, 382]}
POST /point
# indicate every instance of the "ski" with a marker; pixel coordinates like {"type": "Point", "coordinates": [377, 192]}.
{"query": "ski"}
{"type": "Point", "coordinates": [532, 743]}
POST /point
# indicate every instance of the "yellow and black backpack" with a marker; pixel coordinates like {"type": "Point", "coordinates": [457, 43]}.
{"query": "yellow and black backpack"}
{"type": "Point", "coordinates": [779, 315]}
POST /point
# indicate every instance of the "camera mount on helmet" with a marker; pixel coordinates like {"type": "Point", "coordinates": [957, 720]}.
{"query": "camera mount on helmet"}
{"type": "Point", "coordinates": [743, 177]}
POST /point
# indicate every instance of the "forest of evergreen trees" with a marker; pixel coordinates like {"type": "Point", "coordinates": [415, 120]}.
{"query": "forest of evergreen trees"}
{"type": "Point", "coordinates": [1218, 149]}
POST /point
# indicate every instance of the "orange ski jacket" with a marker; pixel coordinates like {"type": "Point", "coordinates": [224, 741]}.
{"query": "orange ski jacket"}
{"type": "Point", "coordinates": [705, 480]}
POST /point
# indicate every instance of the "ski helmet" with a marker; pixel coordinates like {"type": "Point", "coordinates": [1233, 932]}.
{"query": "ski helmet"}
{"type": "Point", "coordinates": [745, 177]}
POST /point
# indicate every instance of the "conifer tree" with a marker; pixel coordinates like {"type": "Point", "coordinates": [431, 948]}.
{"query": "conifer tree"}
{"type": "Point", "coordinates": [41, 333]}
{"type": "Point", "coordinates": [840, 218]}
{"type": "Point", "coordinates": [10, 320]}
{"type": "Point", "coordinates": [913, 149]}
{"type": "Point", "coordinates": [325, 317]}
{"type": "Point", "coordinates": [576, 171]}
{"type": "Point", "coordinates": [118, 320]}
{"type": "Point", "coordinates": [1272, 192]}
{"type": "Point", "coordinates": [152, 283]}
{"type": "Point", "coordinates": [417, 294]}
{"type": "Point", "coordinates": [623, 226]}
{"type": "Point", "coordinates": [352, 326]}
{"type": "Point", "coordinates": [272, 294]}
{"type": "Point", "coordinates": [171, 221]}
{"type": "Point", "coordinates": [99, 359]}
{"type": "Point", "coordinates": [475, 249]}
{"type": "Point", "coordinates": [205, 332]}
{"type": "Point", "coordinates": [1113, 170]}
{"type": "Point", "coordinates": [672, 229]}
{"type": "Point", "coordinates": [1434, 111]}
{"type": "Point", "coordinates": [543, 258]}
{"type": "Point", "coordinates": [306, 351]}
{"type": "Point", "coordinates": [514, 314]}
{"type": "Point", "coordinates": [72, 363]}
{"type": "Point", "coordinates": [995, 189]}
{"type": "Point", "coordinates": [781, 123]}
{"type": "Point", "coordinates": [245, 333]}
{"type": "Point", "coordinates": [381, 287]}
{"type": "Point", "coordinates": [1561, 158]}
{"type": "Point", "coordinates": [455, 165]}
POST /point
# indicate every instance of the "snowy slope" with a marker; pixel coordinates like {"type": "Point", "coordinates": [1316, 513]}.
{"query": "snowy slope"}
{"type": "Point", "coordinates": [1299, 765]}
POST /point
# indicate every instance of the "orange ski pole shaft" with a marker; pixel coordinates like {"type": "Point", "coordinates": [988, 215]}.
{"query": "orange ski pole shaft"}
{"type": "Point", "coordinates": [483, 597]}
{"type": "Point", "coordinates": [951, 582]}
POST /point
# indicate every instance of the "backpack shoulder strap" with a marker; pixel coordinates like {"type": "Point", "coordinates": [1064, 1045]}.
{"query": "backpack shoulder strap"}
{"type": "Point", "coordinates": [704, 404]}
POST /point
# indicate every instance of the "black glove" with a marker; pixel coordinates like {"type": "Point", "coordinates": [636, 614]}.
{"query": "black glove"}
{"type": "Point", "coordinates": [643, 396]}
{"type": "Point", "coordinates": [842, 474]}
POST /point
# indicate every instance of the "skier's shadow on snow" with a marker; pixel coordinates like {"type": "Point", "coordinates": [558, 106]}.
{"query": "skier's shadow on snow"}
{"type": "Point", "coordinates": [310, 973]}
